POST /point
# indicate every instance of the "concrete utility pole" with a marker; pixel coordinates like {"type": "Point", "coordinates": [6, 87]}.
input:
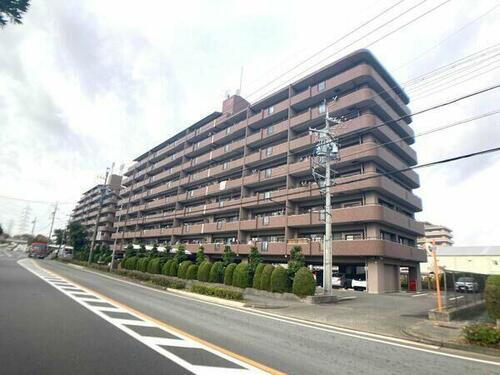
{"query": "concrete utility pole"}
{"type": "Point", "coordinates": [116, 238]}
{"type": "Point", "coordinates": [52, 222]}
{"type": "Point", "coordinates": [101, 199]}
{"type": "Point", "coordinates": [436, 277]}
{"type": "Point", "coordinates": [326, 151]}
{"type": "Point", "coordinates": [33, 227]}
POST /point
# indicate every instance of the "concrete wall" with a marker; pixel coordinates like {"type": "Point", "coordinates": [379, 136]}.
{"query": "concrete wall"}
{"type": "Point", "coordinates": [479, 264]}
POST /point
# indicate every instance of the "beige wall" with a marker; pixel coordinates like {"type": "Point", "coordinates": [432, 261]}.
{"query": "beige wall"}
{"type": "Point", "coordinates": [478, 264]}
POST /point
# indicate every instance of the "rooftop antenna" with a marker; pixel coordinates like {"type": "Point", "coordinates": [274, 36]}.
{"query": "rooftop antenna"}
{"type": "Point", "coordinates": [112, 167]}
{"type": "Point", "coordinates": [241, 82]}
{"type": "Point", "coordinates": [122, 167]}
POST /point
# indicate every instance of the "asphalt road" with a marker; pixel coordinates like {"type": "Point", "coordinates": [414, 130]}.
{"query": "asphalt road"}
{"type": "Point", "coordinates": [44, 331]}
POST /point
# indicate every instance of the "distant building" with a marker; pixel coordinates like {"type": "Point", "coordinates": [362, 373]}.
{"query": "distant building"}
{"type": "Point", "coordinates": [441, 235]}
{"type": "Point", "coordinates": [477, 259]}
{"type": "Point", "coordinates": [87, 208]}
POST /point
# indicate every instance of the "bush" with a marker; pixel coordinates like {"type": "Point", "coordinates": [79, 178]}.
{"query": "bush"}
{"type": "Point", "coordinates": [265, 281]}
{"type": "Point", "coordinates": [154, 279]}
{"type": "Point", "coordinates": [204, 271]}
{"type": "Point", "coordinates": [165, 270]}
{"type": "Point", "coordinates": [192, 272]}
{"type": "Point", "coordinates": [492, 296]}
{"type": "Point", "coordinates": [200, 256]}
{"type": "Point", "coordinates": [304, 284]}
{"type": "Point", "coordinates": [130, 263]}
{"type": "Point", "coordinates": [254, 259]}
{"type": "Point", "coordinates": [216, 273]}
{"type": "Point", "coordinates": [258, 275]}
{"type": "Point", "coordinates": [154, 266]}
{"type": "Point", "coordinates": [482, 334]}
{"type": "Point", "coordinates": [174, 266]}
{"type": "Point", "coordinates": [180, 253]}
{"type": "Point", "coordinates": [217, 292]}
{"type": "Point", "coordinates": [229, 256]}
{"type": "Point", "coordinates": [279, 280]}
{"type": "Point", "coordinates": [228, 274]}
{"type": "Point", "coordinates": [297, 261]}
{"type": "Point", "coordinates": [142, 264]}
{"type": "Point", "coordinates": [183, 269]}
{"type": "Point", "coordinates": [241, 276]}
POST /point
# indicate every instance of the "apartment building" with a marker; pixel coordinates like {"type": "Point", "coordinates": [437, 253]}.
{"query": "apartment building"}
{"type": "Point", "coordinates": [437, 234]}
{"type": "Point", "coordinates": [242, 176]}
{"type": "Point", "coordinates": [87, 208]}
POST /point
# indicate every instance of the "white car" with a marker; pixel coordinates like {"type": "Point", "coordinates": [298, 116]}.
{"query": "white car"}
{"type": "Point", "coordinates": [359, 282]}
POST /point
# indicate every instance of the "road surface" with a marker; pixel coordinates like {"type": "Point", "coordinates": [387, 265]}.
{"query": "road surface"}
{"type": "Point", "coordinates": [58, 319]}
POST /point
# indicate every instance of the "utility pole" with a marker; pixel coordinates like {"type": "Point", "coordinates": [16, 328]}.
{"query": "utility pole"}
{"type": "Point", "coordinates": [101, 199]}
{"type": "Point", "coordinates": [436, 276]}
{"type": "Point", "coordinates": [33, 227]}
{"type": "Point", "coordinates": [52, 222]}
{"type": "Point", "coordinates": [326, 151]}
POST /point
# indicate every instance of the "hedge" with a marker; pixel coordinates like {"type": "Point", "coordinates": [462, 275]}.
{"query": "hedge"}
{"type": "Point", "coordinates": [174, 266]}
{"type": "Point", "coordinates": [303, 283]}
{"type": "Point", "coordinates": [228, 274]}
{"type": "Point", "coordinates": [183, 269]}
{"type": "Point", "coordinates": [160, 280]}
{"type": "Point", "coordinates": [216, 273]}
{"type": "Point", "coordinates": [258, 275]}
{"type": "Point", "coordinates": [279, 280]}
{"type": "Point", "coordinates": [165, 270]}
{"type": "Point", "coordinates": [492, 296]}
{"type": "Point", "coordinates": [217, 292]}
{"type": "Point", "coordinates": [241, 276]}
{"type": "Point", "coordinates": [142, 264]}
{"type": "Point", "coordinates": [204, 271]}
{"type": "Point", "coordinates": [192, 272]}
{"type": "Point", "coordinates": [265, 281]}
{"type": "Point", "coordinates": [482, 334]}
{"type": "Point", "coordinates": [130, 263]}
{"type": "Point", "coordinates": [154, 265]}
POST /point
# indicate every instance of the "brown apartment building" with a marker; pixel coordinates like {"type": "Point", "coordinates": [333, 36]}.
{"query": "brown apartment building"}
{"type": "Point", "coordinates": [87, 208]}
{"type": "Point", "coordinates": [439, 235]}
{"type": "Point", "coordinates": [243, 176]}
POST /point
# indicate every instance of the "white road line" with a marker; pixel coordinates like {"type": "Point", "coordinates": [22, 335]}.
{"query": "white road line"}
{"type": "Point", "coordinates": [393, 341]}
{"type": "Point", "coordinates": [154, 343]}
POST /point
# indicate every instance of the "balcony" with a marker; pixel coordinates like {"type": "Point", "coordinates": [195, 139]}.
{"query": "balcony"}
{"type": "Point", "coordinates": [221, 227]}
{"type": "Point", "coordinates": [226, 134]}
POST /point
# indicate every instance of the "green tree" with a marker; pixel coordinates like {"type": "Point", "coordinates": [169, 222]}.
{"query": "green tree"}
{"type": "Point", "coordinates": [254, 259]}
{"type": "Point", "coordinates": [142, 250]}
{"type": "Point", "coordinates": [180, 254]}
{"type": "Point", "coordinates": [492, 296]}
{"type": "Point", "coordinates": [229, 256]}
{"type": "Point", "coordinates": [1, 230]}
{"type": "Point", "coordinates": [130, 251]}
{"type": "Point", "coordinates": [200, 255]}
{"type": "Point", "coordinates": [304, 284]}
{"type": "Point", "coordinates": [59, 235]}
{"type": "Point", "coordinates": [296, 262]}
{"type": "Point", "coordinates": [13, 10]}
{"type": "Point", "coordinates": [77, 236]}
{"type": "Point", "coordinates": [154, 251]}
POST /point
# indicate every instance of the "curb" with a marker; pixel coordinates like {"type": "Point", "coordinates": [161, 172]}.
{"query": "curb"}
{"type": "Point", "coordinates": [444, 344]}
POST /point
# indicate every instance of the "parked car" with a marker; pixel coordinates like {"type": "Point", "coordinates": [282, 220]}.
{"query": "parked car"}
{"type": "Point", "coordinates": [359, 282]}
{"type": "Point", "coordinates": [466, 285]}
{"type": "Point", "coordinates": [338, 280]}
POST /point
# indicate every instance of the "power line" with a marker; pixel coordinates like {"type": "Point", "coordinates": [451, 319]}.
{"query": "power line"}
{"type": "Point", "coordinates": [33, 201]}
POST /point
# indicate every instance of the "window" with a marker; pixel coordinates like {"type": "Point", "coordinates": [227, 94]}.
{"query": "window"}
{"type": "Point", "coordinates": [322, 108]}
{"type": "Point", "coordinates": [270, 130]}
{"type": "Point", "coordinates": [269, 151]}
{"type": "Point", "coordinates": [353, 236]}
{"type": "Point", "coordinates": [387, 236]}
{"type": "Point", "coordinates": [350, 204]}
{"type": "Point", "coordinates": [268, 172]}
{"type": "Point", "coordinates": [270, 110]}
{"type": "Point", "coordinates": [321, 86]}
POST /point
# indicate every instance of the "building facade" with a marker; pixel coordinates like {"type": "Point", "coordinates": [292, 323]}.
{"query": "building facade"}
{"type": "Point", "coordinates": [437, 234]}
{"type": "Point", "coordinates": [474, 259]}
{"type": "Point", "coordinates": [87, 209]}
{"type": "Point", "coordinates": [243, 177]}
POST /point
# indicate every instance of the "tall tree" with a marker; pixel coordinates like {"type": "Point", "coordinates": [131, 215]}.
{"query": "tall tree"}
{"type": "Point", "coordinates": [228, 256]}
{"type": "Point", "coordinates": [59, 235]}
{"type": "Point", "coordinates": [1, 230]}
{"type": "Point", "coordinates": [12, 10]}
{"type": "Point", "coordinates": [254, 259]}
{"type": "Point", "coordinates": [77, 236]}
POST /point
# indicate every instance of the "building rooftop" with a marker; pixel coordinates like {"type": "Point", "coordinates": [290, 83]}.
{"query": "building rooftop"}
{"type": "Point", "coordinates": [468, 251]}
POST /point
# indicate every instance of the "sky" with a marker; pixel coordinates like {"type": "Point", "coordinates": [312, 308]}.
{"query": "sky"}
{"type": "Point", "coordinates": [87, 84]}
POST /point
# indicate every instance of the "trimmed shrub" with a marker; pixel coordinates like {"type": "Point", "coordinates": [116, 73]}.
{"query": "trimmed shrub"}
{"type": "Point", "coordinates": [160, 280]}
{"type": "Point", "coordinates": [130, 263]}
{"type": "Point", "coordinates": [217, 292]}
{"type": "Point", "coordinates": [200, 256]}
{"type": "Point", "coordinates": [482, 334]}
{"type": "Point", "coordinates": [204, 271]}
{"type": "Point", "coordinates": [216, 273]}
{"type": "Point", "coordinates": [492, 296]}
{"type": "Point", "coordinates": [228, 256]}
{"type": "Point", "coordinates": [174, 266]}
{"type": "Point", "coordinates": [241, 276]}
{"type": "Point", "coordinates": [296, 262]}
{"type": "Point", "coordinates": [254, 259]}
{"type": "Point", "coordinates": [154, 266]}
{"type": "Point", "coordinates": [303, 283]}
{"type": "Point", "coordinates": [142, 264]}
{"type": "Point", "coordinates": [265, 279]}
{"type": "Point", "coordinates": [279, 280]}
{"type": "Point", "coordinates": [258, 275]}
{"type": "Point", "coordinates": [183, 269]}
{"type": "Point", "coordinates": [192, 272]}
{"type": "Point", "coordinates": [228, 274]}
{"type": "Point", "coordinates": [165, 270]}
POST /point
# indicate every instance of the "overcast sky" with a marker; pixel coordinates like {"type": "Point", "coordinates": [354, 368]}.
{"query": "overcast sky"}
{"type": "Point", "coordinates": [84, 84]}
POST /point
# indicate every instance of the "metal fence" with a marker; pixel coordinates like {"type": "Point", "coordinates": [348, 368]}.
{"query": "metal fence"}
{"type": "Point", "coordinates": [458, 288]}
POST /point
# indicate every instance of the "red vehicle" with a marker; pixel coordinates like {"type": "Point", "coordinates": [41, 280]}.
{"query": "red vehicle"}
{"type": "Point", "coordinates": [39, 250]}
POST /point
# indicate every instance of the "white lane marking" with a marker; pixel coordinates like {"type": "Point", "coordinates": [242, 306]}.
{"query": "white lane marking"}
{"type": "Point", "coordinates": [146, 340]}
{"type": "Point", "coordinates": [420, 295]}
{"type": "Point", "coordinates": [394, 341]}
{"type": "Point", "coordinates": [171, 342]}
